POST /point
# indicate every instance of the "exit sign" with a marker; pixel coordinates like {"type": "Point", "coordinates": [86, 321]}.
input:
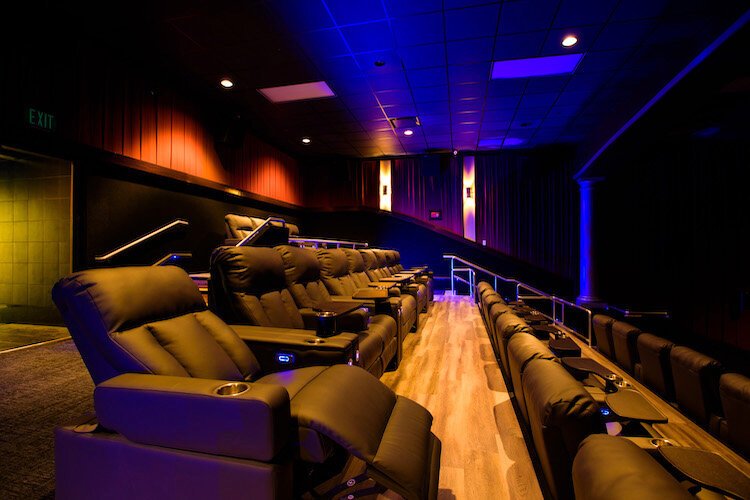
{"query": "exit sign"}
{"type": "Point", "coordinates": [41, 119]}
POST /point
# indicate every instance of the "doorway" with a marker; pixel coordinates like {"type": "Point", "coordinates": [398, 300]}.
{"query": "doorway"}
{"type": "Point", "coordinates": [35, 245]}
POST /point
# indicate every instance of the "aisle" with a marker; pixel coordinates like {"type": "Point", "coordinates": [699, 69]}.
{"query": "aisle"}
{"type": "Point", "coordinates": [449, 368]}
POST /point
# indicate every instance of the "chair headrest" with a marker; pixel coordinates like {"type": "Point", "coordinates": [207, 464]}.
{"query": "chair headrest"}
{"type": "Point", "coordinates": [127, 297]}
{"type": "Point", "coordinates": [252, 270]}
{"type": "Point", "coordinates": [333, 263]}
{"type": "Point", "coordinates": [380, 257]}
{"type": "Point", "coordinates": [368, 256]}
{"type": "Point", "coordinates": [356, 262]}
{"type": "Point", "coordinates": [300, 264]}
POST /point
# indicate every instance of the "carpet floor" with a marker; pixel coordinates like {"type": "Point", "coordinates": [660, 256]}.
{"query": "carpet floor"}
{"type": "Point", "coordinates": [40, 388]}
{"type": "Point", "coordinates": [14, 335]}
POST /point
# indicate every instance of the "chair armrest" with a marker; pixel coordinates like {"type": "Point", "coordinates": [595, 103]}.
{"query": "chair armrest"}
{"type": "Point", "coordinates": [270, 345]}
{"type": "Point", "coordinates": [187, 414]}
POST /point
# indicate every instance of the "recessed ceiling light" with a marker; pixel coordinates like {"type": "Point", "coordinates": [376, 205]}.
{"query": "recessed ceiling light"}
{"type": "Point", "coordinates": [379, 63]}
{"type": "Point", "coordinates": [306, 140]}
{"type": "Point", "coordinates": [226, 83]}
{"type": "Point", "coordinates": [408, 132]}
{"type": "Point", "coordinates": [298, 92]}
{"type": "Point", "coordinates": [569, 41]}
{"type": "Point", "coordinates": [536, 66]}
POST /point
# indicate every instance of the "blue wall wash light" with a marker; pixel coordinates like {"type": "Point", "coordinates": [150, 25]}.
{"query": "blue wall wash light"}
{"type": "Point", "coordinates": [536, 66]}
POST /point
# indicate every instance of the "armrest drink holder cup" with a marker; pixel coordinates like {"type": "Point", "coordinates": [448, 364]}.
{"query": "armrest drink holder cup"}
{"type": "Point", "coordinates": [326, 324]}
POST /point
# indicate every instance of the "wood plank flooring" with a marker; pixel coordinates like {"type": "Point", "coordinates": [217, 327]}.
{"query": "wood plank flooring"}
{"type": "Point", "coordinates": [449, 368]}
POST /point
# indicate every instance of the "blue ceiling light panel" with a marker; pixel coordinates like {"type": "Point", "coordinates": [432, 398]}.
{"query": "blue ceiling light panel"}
{"type": "Point", "coordinates": [536, 66]}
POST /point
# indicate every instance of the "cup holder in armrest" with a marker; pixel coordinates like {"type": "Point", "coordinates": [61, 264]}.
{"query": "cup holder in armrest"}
{"type": "Point", "coordinates": [315, 341]}
{"type": "Point", "coordinates": [658, 442]}
{"type": "Point", "coordinates": [232, 389]}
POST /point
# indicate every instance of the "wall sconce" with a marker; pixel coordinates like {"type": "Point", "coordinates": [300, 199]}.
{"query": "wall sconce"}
{"type": "Point", "coordinates": [468, 191]}
{"type": "Point", "coordinates": [385, 190]}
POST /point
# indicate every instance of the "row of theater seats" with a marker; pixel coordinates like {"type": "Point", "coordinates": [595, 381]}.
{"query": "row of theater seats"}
{"type": "Point", "coordinates": [696, 383]}
{"type": "Point", "coordinates": [285, 286]}
{"type": "Point", "coordinates": [243, 398]}
{"type": "Point", "coordinates": [577, 457]}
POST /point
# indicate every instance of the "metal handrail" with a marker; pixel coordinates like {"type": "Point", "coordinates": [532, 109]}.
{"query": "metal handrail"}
{"type": "Point", "coordinates": [256, 231]}
{"type": "Point", "coordinates": [170, 256]}
{"type": "Point", "coordinates": [537, 294]}
{"type": "Point", "coordinates": [322, 241]}
{"type": "Point", "coordinates": [628, 313]}
{"type": "Point", "coordinates": [145, 237]}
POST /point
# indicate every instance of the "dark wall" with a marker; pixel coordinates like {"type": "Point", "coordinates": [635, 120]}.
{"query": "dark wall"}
{"type": "Point", "coordinates": [420, 244]}
{"type": "Point", "coordinates": [117, 205]}
{"type": "Point", "coordinates": [673, 210]}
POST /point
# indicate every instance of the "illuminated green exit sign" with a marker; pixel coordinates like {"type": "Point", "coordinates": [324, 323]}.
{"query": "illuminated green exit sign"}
{"type": "Point", "coordinates": [41, 119]}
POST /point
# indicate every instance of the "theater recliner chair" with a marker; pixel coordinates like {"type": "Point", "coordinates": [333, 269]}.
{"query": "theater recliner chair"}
{"type": "Point", "coordinates": [185, 410]}
{"type": "Point", "coordinates": [561, 415]}
{"type": "Point", "coordinates": [696, 385]}
{"type": "Point", "coordinates": [380, 268]}
{"type": "Point", "coordinates": [522, 348]}
{"type": "Point", "coordinates": [302, 275]}
{"type": "Point", "coordinates": [603, 334]}
{"type": "Point", "coordinates": [613, 468]}
{"type": "Point", "coordinates": [426, 278]}
{"type": "Point", "coordinates": [248, 286]}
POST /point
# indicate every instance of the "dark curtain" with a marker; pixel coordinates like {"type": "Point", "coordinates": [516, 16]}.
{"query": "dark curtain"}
{"type": "Point", "coordinates": [342, 184]}
{"type": "Point", "coordinates": [417, 191]}
{"type": "Point", "coordinates": [527, 207]}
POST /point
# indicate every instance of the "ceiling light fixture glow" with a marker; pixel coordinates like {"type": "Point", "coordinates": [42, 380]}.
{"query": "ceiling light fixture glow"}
{"type": "Point", "coordinates": [306, 140]}
{"type": "Point", "coordinates": [513, 141]}
{"type": "Point", "coordinates": [226, 83]}
{"type": "Point", "coordinates": [408, 132]}
{"type": "Point", "coordinates": [536, 66]}
{"type": "Point", "coordinates": [569, 41]}
{"type": "Point", "coordinates": [297, 92]}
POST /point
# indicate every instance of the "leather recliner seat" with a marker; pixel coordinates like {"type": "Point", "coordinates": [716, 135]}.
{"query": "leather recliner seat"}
{"type": "Point", "coordinates": [302, 276]}
{"type": "Point", "coordinates": [506, 326]}
{"type": "Point", "coordinates": [522, 348]}
{"type": "Point", "coordinates": [239, 227]}
{"type": "Point", "coordinates": [602, 326]}
{"type": "Point", "coordinates": [372, 274]}
{"type": "Point", "coordinates": [696, 385]}
{"type": "Point", "coordinates": [734, 390]}
{"type": "Point", "coordinates": [425, 279]}
{"type": "Point", "coordinates": [561, 414]}
{"type": "Point", "coordinates": [383, 259]}
{"type": "Point", "coordinates": [334, 273]}
{"type": "Point", "coordinates": [624, 338]}
{"type": "Point", "coordinates": [249, 286]}
{"type": "Point", "coordinates": [181, 396]}
{"type": "Point", "coordinates": [656, 368]}
{"type": "Point", "coordinates": [614, 468]}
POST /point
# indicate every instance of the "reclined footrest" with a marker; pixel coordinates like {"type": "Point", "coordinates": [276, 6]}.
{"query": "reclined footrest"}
{"type": "Point", "coordinates": [408, 458]}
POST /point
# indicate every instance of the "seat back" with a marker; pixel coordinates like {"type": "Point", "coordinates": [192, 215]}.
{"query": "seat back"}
{"type": "Point", "coordinates": [735, 401]}
{"type": "Point", "coordinates": [506, 326]}
{"type": "Point", "coordinates": [656, 369]}
{"type": "Point", "coordinates": [561, 415]}
{"type": "Point", "coordinates": [149, 320]}
{"type": "Point", "coordinates": [357, 267]}
{"type": "Point", "coordinates": [696, 383]}
{"type": "Point", "coordinates": [371, 265]}
{"type": "Point", "coordinates": [397, 256]}
{"type": "Point", "coordinates": [624, 337]}
{"type": "Point", "coordinates": [603, 334]}
{"type": "Point", "coordinates": [239, 226]}
{"type": "Point", "coordinates": [522, 348]}
{"type": "Point", "coordinates": [248, 287]}
{"type": "Point", "coordinates": [302, 274]}
{"type": "Point", "coordinates": [381, 266]}
{"type": "Point", "coordinates": [614, 468]}
{"type": "Point", "coordinates": [334, 270]}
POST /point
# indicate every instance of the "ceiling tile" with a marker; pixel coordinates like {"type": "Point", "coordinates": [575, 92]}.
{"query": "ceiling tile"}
{"type": "Point", "coordinates": [418, 30]}
{"type": "Point", "coordinates": [519, 46]}
{"type": "Point", "coordinates": [624, 35]}
{"type": "Point", "coordinates": [472, 22]}
{"type": "Point", "coordinates": [470, 51]}
{"type": "Point", "coordinates": [368, 37]}
{"type": "Point", "coordinates": [582, 12]}
{"type": "Point", "coordinates": [427, 77]}
{"type": "Point", "coordinates": [423, 56]}
{"type": "Point", "coordinates": [524, 16]}
{"type": "Point", "coordinates": [348, 12]}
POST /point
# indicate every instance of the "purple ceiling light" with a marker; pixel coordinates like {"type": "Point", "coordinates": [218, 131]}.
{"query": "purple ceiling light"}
{"type": "Point", "coordinates": [536, 66]}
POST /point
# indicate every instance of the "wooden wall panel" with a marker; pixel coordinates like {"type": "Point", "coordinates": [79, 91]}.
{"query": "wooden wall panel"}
{"type": "Point", "coordinates": [110, 105]}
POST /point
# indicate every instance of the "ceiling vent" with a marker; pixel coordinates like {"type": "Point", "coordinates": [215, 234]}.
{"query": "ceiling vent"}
{"type": "Point", "coordinates": [405, 122]}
